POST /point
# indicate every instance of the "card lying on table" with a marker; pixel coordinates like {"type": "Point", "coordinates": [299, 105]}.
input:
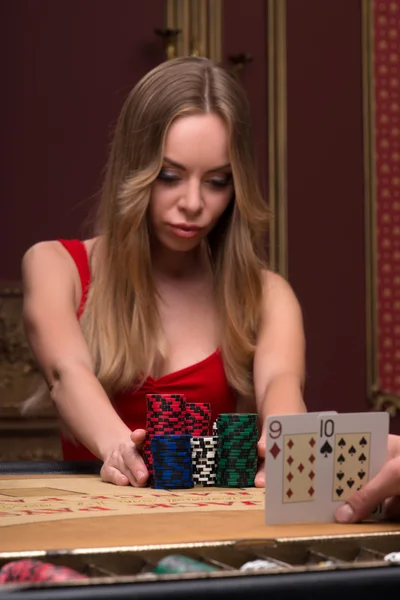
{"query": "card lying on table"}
{"type": "Point", "coordinates": [315, 461]}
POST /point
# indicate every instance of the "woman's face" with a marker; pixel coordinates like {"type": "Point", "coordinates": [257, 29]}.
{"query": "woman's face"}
{"type": "Point", "coordinates": [194, 186]}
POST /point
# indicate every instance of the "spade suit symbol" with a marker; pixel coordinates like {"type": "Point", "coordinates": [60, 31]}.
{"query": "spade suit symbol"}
{"type": "Point", "coordinates": [362, 458]}
{"type": "Point", "coordinates": [326, 449]}
{"type": "Point", "coordinates": [340, 475]}
{"type": "Point", "coordinates": [352, 450]}
{"type": "Point", "coordinates": [363, 442]}
{"type": "Point", "coordinates": [341, 459]}
{"type": "Point", "coordinates": [339, 491]}
{"type": "Point", "coordinates": [350, 482]}
{"type": "Point", "coordinates": [341, 442]}
{"type": "Point", "coordinates": [361, 474]}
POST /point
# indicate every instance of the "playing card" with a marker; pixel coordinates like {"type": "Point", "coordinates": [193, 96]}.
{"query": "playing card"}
{"type": "Point", "coordinates": [352, 450]}
{"type": "Point", "coordinates": [290, 473]}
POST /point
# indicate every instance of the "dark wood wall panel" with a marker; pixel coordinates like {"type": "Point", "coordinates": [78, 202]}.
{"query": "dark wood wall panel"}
{"type": "Point", "coordinates": [66, 68]}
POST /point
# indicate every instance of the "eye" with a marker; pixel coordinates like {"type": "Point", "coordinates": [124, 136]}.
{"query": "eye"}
{"type": "Point", "coordinates": [221, 182]}
{"type": "Point", "coordinates": [167, 176]}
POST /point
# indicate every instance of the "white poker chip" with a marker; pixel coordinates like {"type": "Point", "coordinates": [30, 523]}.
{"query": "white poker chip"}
{"type": "Point", "coordinates": [259, 565]}
{"type": "Point", "coordinates": [327, 563]}
{"type": "Point", "coordinates": [392, 557]}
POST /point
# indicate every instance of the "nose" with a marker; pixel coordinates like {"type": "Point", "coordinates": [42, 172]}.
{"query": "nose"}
{"type": "Point", "coordinates": [191, 200]}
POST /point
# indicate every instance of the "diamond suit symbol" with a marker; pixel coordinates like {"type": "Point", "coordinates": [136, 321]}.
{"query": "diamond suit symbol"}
{"type": "Point", "coordinates": [275, 450]}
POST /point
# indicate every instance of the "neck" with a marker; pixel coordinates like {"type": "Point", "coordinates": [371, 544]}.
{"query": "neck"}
{"type": "Point", "coordinates": [168, 264]}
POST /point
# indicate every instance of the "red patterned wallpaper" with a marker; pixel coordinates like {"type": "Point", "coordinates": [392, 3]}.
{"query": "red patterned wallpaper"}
{"type": "Point", "coordinates": [386, 70]}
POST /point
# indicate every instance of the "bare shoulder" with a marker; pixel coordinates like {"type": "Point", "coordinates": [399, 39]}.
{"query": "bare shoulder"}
{"type": "Point", "coordinates": [278, 295]}
{"type": "Point", "coordinates": [45, 253]}
{"type": "Point", "coordinates": [276, 285]}
{"type": "Point", "coordinates": [48, 265]}
{"type": "Point", "coordinates": [51, 257]}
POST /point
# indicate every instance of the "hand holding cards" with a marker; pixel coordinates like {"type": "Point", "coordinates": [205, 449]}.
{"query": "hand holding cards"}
{"type": "Point", "coordinates": [316, 461]}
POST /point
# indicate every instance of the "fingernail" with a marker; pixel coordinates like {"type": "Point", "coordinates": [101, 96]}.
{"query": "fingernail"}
{"type": "Point", "coordinates": [140, 475]}
{"type": "Point", "coordinates": [344, 514]}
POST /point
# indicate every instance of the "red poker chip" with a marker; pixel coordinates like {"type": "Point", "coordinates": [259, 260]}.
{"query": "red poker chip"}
{"type": "Point", "coordinates": [28, 570]}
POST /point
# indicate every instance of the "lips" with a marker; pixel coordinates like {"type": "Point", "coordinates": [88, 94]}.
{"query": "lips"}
{"type": "Point", "coordinates": [186, 227]}
{"type": "Point", "coordinates": [185, 230]}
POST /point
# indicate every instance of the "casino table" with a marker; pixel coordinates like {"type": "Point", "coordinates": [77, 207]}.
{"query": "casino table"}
{"type": "Point", "coordinates": [62, 513]}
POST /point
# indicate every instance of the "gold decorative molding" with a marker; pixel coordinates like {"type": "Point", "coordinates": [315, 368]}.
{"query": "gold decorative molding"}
{"type": "Point", "coordinates": [277, 135]}
{"type": "Point", "coordinates": [200, 26]}
{"type": "Point", "coordinates": [18, 373]}
{"type": "Point", "coordinates": [379, 394]}
{"type": "Point", "coordinates": [370, 203]}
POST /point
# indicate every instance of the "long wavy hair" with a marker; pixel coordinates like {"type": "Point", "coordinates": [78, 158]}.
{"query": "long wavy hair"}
{"type": "Point", "coordinates": [120, 322]}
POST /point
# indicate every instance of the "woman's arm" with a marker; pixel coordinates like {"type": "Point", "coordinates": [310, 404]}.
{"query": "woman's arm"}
{"type": "Point", "coordinates": [279, 361]}
{"type": "Point", "coordinates": [51, 296]}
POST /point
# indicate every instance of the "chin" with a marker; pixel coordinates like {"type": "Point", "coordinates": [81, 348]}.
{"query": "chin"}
{"type": "Point", "coordinates": [181, 245]}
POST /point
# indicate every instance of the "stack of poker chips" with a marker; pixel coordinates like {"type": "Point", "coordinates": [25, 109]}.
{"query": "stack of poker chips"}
{"type": "Point", "coordinates": [165, 416]}
{"type": "Point", "coordinates": [198, 416]}
{"type": "Point", "coordinates": [204, 460]}
{"type": "Point", "coordinates": [170, 415]}
{"type": "Point", "coordinates": [172, 462]}
{"type": "Point", "coordinates": [237, 450]}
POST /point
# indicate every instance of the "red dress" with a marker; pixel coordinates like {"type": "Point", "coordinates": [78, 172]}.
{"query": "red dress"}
{"type": "Point", "coordinates": [204, 381]}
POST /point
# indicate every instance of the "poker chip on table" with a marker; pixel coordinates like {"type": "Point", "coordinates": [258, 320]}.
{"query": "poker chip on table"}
{"type": "Point", "coordinates": [228, 458]}
{"type": "Point", "coordinates": [204, 460]}
{"type": "Point", "coordinates": [392, 557]}
{"type": "Point", "coordinates": [172, 462]}
{"type": "Point", "coordinates": [166, 415]}
{"type": "Point", "coordinates": [198, 415]}
{"type": "Point", "coordinates": [237, 450]}
{"type": "Point", "coordinates": [176, 563]}
{"type": "Point", "coordinates": [259, 565]}
{"type": "Point", "coordinates": [28, 570]}
{"type": "Point", "coordinates": [170, 414]}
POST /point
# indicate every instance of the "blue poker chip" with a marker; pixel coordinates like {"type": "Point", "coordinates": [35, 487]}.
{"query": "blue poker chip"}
{"type": "Point", "coordinates": [172, 461]}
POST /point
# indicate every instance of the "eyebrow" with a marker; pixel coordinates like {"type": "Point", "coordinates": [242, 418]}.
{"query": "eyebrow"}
{"type": "Point", "coordinates": [183, 168]}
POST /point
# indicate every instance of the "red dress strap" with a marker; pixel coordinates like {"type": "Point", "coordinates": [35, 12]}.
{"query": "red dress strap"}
{"type": "Point", "coordinates": [78, 252]}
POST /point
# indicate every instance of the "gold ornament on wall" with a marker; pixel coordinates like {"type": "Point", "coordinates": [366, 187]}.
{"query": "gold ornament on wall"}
{"type": "Point", "coordinates": [193, 28]}
{"type": "Point", "coordinates": [21, 438]}
{"type": "Point", "coordinates": [17, 368]}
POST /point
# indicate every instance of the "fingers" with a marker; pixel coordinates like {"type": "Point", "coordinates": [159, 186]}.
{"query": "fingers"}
{"type": "Point", "coordinates": [138, 437]}
{"type": "Point", "coordinates": [365, 501]}
{"type": "Point", "coordinates": [261, 445]}
{"type": "Point", "coordinates": [123, 474]}
{"type": "Point", "coordinates": [259, 480]}
{"type": "Point", "coordinates": [392, 509]}
{"type": "Point", "coordinates": [113, 475]}
{"type": "Point", "coordinates": [125, 465]}
{"type": "Point", "coordinates": [135, 466]}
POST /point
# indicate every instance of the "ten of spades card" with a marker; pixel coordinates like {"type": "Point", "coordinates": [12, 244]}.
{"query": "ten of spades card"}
{"type": "Point", "coordinates": [352, 449]}
{"type": "Point", "coordinates": [290, 468]}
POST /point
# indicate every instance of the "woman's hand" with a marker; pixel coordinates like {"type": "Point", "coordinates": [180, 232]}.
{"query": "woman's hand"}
{"type": "Point", "coordinates": [260, 477]}
{"type": "Point", "coordinates": [384, 489]}
{"type": "Point", "coordinates": [123, 464]}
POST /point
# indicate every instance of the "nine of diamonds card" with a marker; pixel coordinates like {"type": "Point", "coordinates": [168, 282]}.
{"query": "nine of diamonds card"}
{"type": "Point", "coordinates": [290, 468]}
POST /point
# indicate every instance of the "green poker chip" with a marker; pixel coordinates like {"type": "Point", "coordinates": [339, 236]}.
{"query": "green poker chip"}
{"type": "Point", "coordinates": [175, 563]}
{"type": "Point", "coordinates": [237, 449]}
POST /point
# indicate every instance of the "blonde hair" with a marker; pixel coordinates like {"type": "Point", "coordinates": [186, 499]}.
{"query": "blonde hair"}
{"type": "Point", "coordinates": [120, 321]}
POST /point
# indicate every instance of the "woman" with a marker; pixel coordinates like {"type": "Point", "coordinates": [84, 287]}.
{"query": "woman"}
{"type": "Point", "coordinates": [172, 293]}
